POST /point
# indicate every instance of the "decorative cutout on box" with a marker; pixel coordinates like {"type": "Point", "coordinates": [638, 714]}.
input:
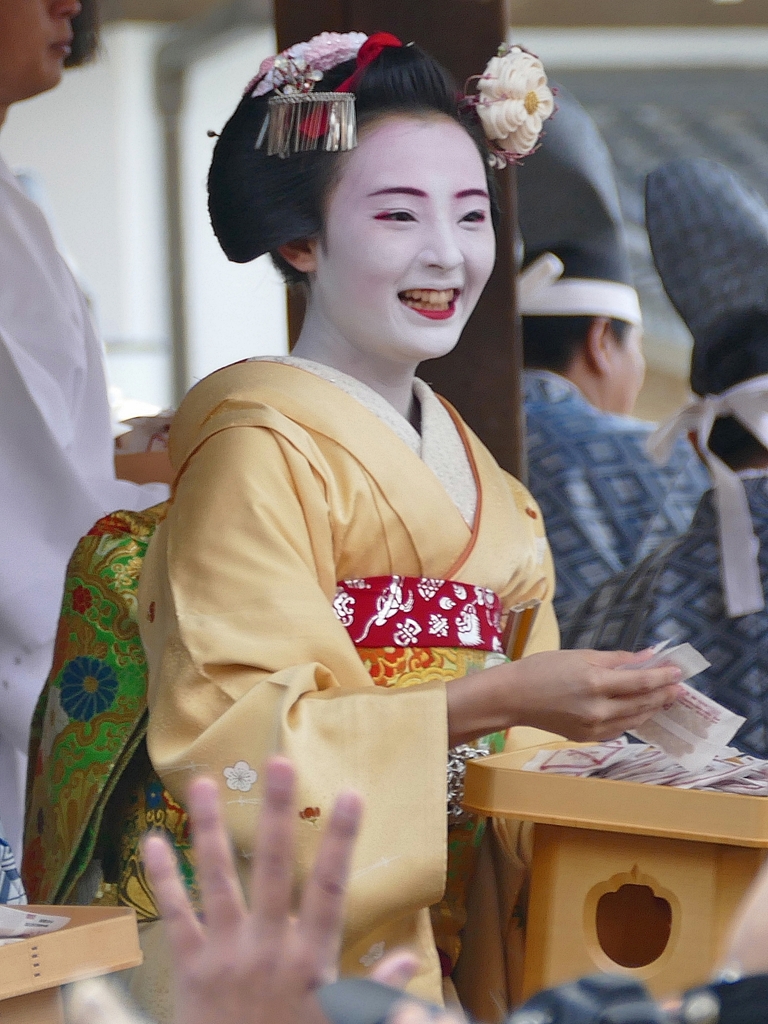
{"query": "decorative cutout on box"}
{"type": "Point", "coordinates": [632, 919]}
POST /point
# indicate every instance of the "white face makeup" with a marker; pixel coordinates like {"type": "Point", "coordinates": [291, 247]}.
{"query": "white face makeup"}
{"type": "Point", "coordinates": [407, 249]}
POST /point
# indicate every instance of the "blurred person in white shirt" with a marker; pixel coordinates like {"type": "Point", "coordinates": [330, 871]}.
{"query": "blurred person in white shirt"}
{"type": "Point", "coordinates": [56, 446]}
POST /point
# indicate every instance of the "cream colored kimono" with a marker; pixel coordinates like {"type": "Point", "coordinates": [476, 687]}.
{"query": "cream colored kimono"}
{"type": "Point", "coordinates": [287, 484]}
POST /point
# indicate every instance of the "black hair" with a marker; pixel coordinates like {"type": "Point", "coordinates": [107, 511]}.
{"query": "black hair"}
{"type": "Point", "coordinates": [734, 444]}
{"type": "Point", "coordinates": [85, 29]}
{"type": "Point", "coordinates": [553, 342]}
{"type": "Point", "coordinates": [736, 350]}
{"type": "Point", "coordinates": [258, 202]}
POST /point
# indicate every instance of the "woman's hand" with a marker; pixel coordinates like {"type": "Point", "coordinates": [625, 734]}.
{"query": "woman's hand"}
{"type": "Point", "coordinates": [582, 695]}
{"type": "Point", "coordinates": [590, 695]}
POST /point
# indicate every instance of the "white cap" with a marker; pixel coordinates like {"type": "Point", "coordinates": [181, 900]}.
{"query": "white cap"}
{"type": "Point", "coordinates": [542, 291]}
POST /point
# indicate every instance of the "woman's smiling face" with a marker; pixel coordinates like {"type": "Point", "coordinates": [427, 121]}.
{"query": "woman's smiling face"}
{"type": "Point", "coordinates": [408, 243]}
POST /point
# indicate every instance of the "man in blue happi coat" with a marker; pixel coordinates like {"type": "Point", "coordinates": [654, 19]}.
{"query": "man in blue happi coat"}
{"type": "Point", "coordinates": [709, 236]}
{"type": "Point", "coordinates": [605, 502]}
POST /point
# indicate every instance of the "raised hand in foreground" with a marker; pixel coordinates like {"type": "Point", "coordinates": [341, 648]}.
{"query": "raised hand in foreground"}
{"type": "Point", "coordinates": [257, 966]}
{"type": "Point", "coordinates": [260, 965]}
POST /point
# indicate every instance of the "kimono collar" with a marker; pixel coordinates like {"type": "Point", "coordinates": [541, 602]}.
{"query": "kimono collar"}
{"type": "Point", "coordinates": [439, 445]}
{"type": "Point", "coordinates": [739, 547]}
{"type": "Point", "coordinates": [554, 386]}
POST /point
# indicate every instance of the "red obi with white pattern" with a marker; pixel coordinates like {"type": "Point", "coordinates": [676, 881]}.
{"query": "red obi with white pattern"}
{"type": "Point", "coordinates": [412, 611]}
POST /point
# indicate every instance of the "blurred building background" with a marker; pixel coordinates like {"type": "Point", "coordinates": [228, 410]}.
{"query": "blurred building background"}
{"type": "Point", "coordinates": [663, 78]}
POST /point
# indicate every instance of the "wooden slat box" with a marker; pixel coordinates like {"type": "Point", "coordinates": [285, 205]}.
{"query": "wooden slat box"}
{"type": "Point", "coordinates": [97, 940]}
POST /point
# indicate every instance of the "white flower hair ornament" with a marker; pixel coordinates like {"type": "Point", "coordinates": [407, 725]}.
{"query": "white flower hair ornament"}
{"type": "Point", "coordinates": [513, 101]}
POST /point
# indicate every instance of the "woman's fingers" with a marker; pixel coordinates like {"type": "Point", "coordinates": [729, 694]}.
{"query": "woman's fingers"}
{"type": "Point", "coordinates": [621, 673]}
{"type": "Point", "coordinates": [220, 892]}
{"type": "Point", "coordinates": [621, 714]}
{"type": "Point", "coordinates": [656, 685]}
{"type": "Point", "coordinates": [272, 875]}
{"type": "Point", "coordinates": [604, 717]}
{"type": "Point", "coordinates": [184, 930]}
{"type": "Point", "coordinates": [321, 916]}
{"type": "Point", "coordinates": [647, 681]}
{"type": "Point", "coordinates": [614, 659]}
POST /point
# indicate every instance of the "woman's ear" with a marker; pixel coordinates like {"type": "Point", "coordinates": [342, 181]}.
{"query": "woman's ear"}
{"type": "Point", "coordinates": [302, 255]}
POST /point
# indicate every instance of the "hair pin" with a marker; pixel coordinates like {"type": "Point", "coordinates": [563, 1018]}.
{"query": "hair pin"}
{"type": "Point", "coordinates": [302, 123]}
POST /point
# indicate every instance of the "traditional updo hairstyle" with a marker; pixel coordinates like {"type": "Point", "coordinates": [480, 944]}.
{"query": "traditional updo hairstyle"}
{"type": "Point", "coordinates": [258, 203]}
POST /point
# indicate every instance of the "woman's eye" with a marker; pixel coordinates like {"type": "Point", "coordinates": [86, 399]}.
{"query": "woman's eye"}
{"type": "Point", "coordinates": [397, 215]}
{"type": "Point", "coordinates": [475, 217]}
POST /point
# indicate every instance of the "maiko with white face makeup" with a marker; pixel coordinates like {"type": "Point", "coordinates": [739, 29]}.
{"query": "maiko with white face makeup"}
{"type": "Point", "coordinates": [341, 552]}
{"type": "Point", "coordinates": [406, 250]}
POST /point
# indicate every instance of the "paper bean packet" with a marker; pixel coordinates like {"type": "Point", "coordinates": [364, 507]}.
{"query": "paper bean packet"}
{"type": "Point", "coordinates": [621, 761]}
{"type": "Point", "coordinates": [16, 925]}
{"type": "Point", "coordinates": [694, 729]}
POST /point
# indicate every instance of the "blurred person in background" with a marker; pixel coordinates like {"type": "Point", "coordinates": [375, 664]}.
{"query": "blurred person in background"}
{"type": "Point", "coordinates": [605, 502]}
{"type": "Point", "coordinates": [709, 237]}
{"type": "Point", "coordinates": [56, 448]}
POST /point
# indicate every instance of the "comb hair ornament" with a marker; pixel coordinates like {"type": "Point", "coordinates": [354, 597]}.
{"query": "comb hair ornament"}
{"type": "Point", "coordinates": [513, 101]}
{"type": "Point", "coordinates": [303, 122]}
{"type": "Point", "coordinates": [298, 118]}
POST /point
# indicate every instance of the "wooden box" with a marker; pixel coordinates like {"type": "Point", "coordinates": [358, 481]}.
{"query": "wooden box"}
{"type": "Point", "coordinates": [629, 878]}
{"type": "Point", "coordinates": [96, 941]}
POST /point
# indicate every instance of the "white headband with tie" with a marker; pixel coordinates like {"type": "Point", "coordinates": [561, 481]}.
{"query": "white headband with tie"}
{"type": "Point", "coordinates": [542, 291]}
{"type": "Point", "coordinates": [739, 547]}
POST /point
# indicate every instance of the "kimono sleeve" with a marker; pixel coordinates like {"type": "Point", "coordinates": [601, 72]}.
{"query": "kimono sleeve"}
{"type": "Point", "coordinates": [545, 635]}
{"type": "Point", "coordinates": [247, 658]}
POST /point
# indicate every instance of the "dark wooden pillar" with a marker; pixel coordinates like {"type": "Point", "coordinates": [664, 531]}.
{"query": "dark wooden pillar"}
{"type": "Point", "coordinates": [481, 377]}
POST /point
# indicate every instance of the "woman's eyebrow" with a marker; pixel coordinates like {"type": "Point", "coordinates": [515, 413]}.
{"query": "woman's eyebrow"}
{"type": "Point", "coordinates": [399, 190]}
{"type": "Point", "coordinates": [404, 190]}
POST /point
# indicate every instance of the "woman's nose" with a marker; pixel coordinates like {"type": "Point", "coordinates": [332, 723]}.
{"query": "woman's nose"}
{"type": "Point", "coordinates": [442, 249]}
